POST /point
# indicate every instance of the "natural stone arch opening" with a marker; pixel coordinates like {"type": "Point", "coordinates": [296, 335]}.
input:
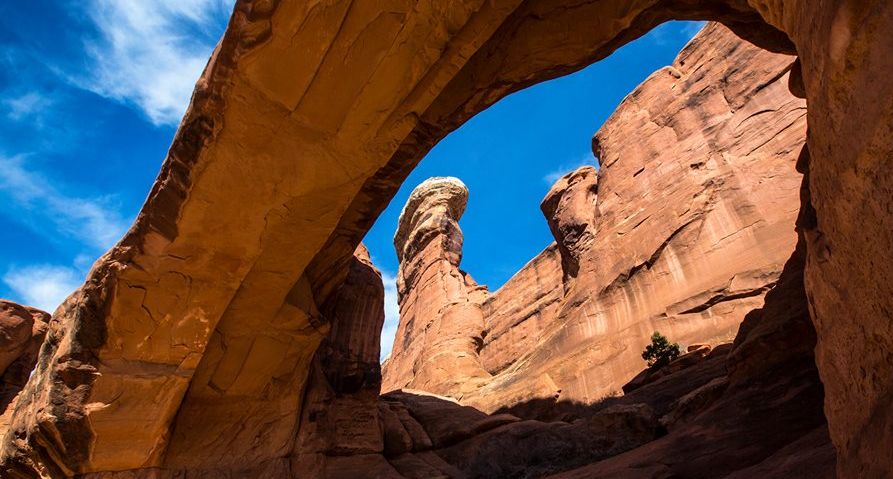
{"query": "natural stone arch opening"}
{"type": "Point", "coordinates": [496, 69]}
{"type": "Point", "coordinates": [510, 139]}
{"type": "Point", "coordinates": [212, 256]}
{"type": "Point", "coordinates": [685, 229]}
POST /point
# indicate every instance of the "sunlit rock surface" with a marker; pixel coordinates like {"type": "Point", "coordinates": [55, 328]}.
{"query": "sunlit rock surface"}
{"type": "Point", "coordinates": [442, 319]}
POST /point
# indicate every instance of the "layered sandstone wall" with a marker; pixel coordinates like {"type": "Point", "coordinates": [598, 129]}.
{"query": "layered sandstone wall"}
{"type": "Point", "coordinates": [683, 230]}
{"type": "Point", "coordinates": [518, 313]}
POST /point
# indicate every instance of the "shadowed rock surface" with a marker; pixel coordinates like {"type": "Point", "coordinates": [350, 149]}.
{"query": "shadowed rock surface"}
{"type": "Point", "coordinates": [734, 414]}
{"type": "Point", "coordinates": [22, 330]}
{"type": "Point", "coordinates": [187, 350]}
{"type": "Point", "coordinates": [340, 407]}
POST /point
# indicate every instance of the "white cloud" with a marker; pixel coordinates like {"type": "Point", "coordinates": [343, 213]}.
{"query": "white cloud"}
{"type": "Point", "coordinates": [26, 106]}
{"type": "Point", "coordinates": [42, 286]}
{"type": "Point", "coordinates": [91, 221]}
{"type": "Point", "coordinates": [84, 262]}
{"type": "Point", "coordinates": [391, 314]}
{"type": "Point", "coordinates": [150, 53]}
{"type": "Point", "coordinates": [674, 31]}
{"type": "Point", "coordinates": [568, 166]}
{"type": "Point", "coordinates": [690, 29]}
{"type": "Point", "coordinates": [551, 177]}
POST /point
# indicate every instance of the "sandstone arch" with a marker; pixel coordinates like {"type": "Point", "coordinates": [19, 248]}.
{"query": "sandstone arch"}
{"type": "Point", "coordinates": [307, 119]}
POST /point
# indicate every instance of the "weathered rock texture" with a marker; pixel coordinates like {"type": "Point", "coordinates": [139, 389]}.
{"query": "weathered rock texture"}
{"type": "Point", "coordinates": [519, 312]}
{"type": "Point", "coordinates": [696, 235]}
{"type": "Point", "coordinates": [683, 230]}
{"type": "Point", "coordinates": [750, 410]}
{"type": "Point", "coordinates": [570, 209]}
{"type": "Point", "coordinates": [419, 435]}
{"type": "Point", "coordinates": [340, 408]}
{"type": "Point", "coordinates": [440, 306]}
{"type": "Point", "coordinates": [205, 316]}
{"type": "Point", "coordinates": [22, 330]}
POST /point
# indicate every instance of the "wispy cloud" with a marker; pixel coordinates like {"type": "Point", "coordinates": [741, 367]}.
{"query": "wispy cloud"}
{"type": "Point", "coordinates": [568, 166]}
{"type": "Point", "coordinates": [145, 54]}
{"type": "Point", "coordinates": [690, 29]}
{"type": "Point", "coordinates": [150, 54]}
{"type": "Point", "coordinates": [93, 222]}
{"type": "Point", "coordinates": [43, 286]}
{"type": "Point", "coordinates": [671, 32]}
{"type": "Point", "coordinates": [26, 106]}
{"type": "Point", "coordinates": [391, 314]}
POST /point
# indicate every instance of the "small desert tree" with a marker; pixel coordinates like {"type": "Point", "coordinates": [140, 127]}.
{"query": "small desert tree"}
{"type": "Point", "coordinates": [660, 352]}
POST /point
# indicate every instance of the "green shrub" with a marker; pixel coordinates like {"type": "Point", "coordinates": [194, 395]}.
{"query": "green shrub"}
{"type": "Point", "coordinates": [660, 352]}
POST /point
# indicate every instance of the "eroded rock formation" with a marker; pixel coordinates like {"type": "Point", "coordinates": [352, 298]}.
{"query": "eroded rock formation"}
{"type": "Point", "coordinates": [519, 312]}
{"type": "Point", "coordinates": [749, 410]}
{"type": "Point", "coordinates": [442, 320]}
{"type": "Point", "coordinates": [683, 230]}
{"type": "Point", "coordinates": [340, 422]}
{"type": "Point", "coordinates": [22, 330]}
{"type": "Point", "coordinates": [304, 124]}
{"type": "Point", "coordinates": [570, 209]}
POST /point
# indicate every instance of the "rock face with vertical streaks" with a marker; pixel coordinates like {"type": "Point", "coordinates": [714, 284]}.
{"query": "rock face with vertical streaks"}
{"type": "Point", "coordinates": [518, 313]}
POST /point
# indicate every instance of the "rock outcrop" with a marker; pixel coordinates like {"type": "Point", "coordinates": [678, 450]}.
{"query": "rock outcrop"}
{"type": "Point", "coordinates": [442, 319]}
{"type": "Point", "coordinates": [683, 230]}
{"type": "Point", "coordinates": [340, 422]}
{"type": "Point", "coordinates": [570, 209]}
{"type": "Point", "coordinates": [734, 414]}
{"type": "Point", "coordinates": [22, 331]}
{"type": "Point", "coordinates": [304, 124]}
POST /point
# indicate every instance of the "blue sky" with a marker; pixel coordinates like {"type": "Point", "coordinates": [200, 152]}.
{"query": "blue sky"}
{"type": "Point", "coordinates": [91, 92]}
